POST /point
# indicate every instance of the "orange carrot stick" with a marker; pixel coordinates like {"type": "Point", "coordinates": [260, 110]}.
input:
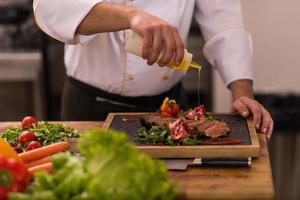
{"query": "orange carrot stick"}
{"type": "Point", "coordinates": [44, 151]}
{"type": "Point", "coordinates": [43, 167]}
{"type": "Point", "coordinates": [37, 162]}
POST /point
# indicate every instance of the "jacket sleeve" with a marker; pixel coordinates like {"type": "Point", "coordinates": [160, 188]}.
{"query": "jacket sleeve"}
{"type": "Point", "coordinates": [60, 18]}
{"type": "Point", "coordinates": [228, 45]}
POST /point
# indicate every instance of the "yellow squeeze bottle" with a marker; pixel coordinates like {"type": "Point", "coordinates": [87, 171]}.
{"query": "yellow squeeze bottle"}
{"type": "Point", "coordinates": [135, 44]}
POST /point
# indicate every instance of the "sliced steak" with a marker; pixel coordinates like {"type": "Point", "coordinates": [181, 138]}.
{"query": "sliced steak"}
{"type": "Point", "coordinates": [155, 118]}
{"type": "Point", "coordinates": [208, 128]}
{"type": "Point", "coordinates": [214, 128]}
{"type": "Point", "coordinates": [203, 126]}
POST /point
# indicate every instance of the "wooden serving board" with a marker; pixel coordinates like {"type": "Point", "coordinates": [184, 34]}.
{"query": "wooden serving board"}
{"type": "Point", "coordinates": [240, 129]}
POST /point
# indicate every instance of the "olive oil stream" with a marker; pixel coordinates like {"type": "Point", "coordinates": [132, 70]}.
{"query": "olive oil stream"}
{"type": "Point", "coordinates": [199, 67]}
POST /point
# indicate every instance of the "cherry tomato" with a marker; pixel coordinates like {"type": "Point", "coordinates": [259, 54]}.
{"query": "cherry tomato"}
{"type": "Point", "coordinates": [14, 176]}
{"type": "Point", "coordinates": [28, 121]}
{"type": "Point", "coordinates": [26, 136]}
{"type": "Point", "coordinates": [33, 145]}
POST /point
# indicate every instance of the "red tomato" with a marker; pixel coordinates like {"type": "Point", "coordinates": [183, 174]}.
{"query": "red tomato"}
{"type": "Point", "coordinates": [28, 121]}
{"type": "Point", "coordinates": [26, 136]}
{"type": "Point", "coordinates": [14, 174]}
{"type": "Point", "coordinates": [33, 145]}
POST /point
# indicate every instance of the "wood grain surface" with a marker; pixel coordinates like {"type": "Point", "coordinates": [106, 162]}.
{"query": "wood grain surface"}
{"type": "Point", "coordinates": [240, 129]}
{"type": "Point", "coordinates": [254, 182]}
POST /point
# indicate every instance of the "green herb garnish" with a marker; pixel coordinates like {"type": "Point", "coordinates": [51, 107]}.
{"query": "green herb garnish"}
{"type": "Point", "coordinates": [161, 135]}
{"type": "Point", "coordinates": [183, 114]}
{"type": "Point", "coordinates": [210, 116]}
{"type": "Point", "coordinates": [46, 133]}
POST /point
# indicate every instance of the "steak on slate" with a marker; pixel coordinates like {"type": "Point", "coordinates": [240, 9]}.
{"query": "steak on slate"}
{"type": "Point", "coordinates": [205, 127]}
{"type": "Point", "coordinates": [156, 119]}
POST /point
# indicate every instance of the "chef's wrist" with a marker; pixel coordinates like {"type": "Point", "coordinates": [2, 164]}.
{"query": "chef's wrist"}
{"type": "Point", "coordinates": [243, 87]}
{"type": "Point", "coordinates": [134, 16]}
{"type": "Point", "coordinates": [131, 13]}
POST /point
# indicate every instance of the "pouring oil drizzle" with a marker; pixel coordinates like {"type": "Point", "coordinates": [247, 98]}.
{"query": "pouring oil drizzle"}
{"type": "Point", "coordinates": [197, 66]}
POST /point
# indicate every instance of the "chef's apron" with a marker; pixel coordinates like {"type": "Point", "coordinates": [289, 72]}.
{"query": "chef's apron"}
{"type": "Point", "coordinates": [81, 101]}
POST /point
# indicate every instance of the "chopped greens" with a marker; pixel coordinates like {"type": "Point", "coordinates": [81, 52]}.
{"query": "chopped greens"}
{"type": "Point", "coordinates": [184, 113]}
{"type": "Point", "coordinates": [210, 116]}
{"type": "Point", "coordinates": [11, 135]}
{"type": "Point", "coordinates": [46, 133]}
{"type": "Point", "coordinates": [161, 135]}
{"type": "Point", "coordinates": [110, 169]}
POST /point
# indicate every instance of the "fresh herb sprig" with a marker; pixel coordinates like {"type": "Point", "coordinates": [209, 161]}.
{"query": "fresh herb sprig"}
{"type": "Point", "coordinates": [161, 136]}
{"type": "Point", "coordinates": [46, 133]}
{"type": "Point", "coordinates": [210, 116]}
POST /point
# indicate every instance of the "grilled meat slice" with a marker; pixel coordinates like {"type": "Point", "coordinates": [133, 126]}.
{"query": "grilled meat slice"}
{"type": "Point", "coordinates": [216, 129]}
{"type": "Point", "coordinates": [205, 127]}
{"type": "Point", "coordinates": [156, 119]}
{"type": "Point", "coordinates": [209, 128]}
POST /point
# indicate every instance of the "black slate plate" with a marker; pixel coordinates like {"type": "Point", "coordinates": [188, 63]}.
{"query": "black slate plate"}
{"type": "Point", "coordinates": [130, 124]}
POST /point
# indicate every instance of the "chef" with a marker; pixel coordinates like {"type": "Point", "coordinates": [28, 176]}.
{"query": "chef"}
{"type": "Point", "coordinates": [102, 77]}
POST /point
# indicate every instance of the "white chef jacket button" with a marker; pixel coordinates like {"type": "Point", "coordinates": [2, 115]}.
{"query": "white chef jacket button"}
{"type": "Point", "coordinates": [131, 77]}
{"type": "Point", "coordinates": [165, 77]}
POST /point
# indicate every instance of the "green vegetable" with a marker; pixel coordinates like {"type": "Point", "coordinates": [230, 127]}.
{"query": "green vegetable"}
{"type": "Point", "coordinates": [155, 135]}
{"type": "Point", "coordinates": [210, 116]}
{"type": "Point", "coordinates": [46, 133]}
{"type": "Point", "coordinates": [182, 114]}
{"type": "Point", "coordinates": [11, 135]}
{"type": "Point", "coordinates": [161, 135]}
{"type": "Point", "coordinates": [190, 141]}
{"type": "Point", "coordinates": [111, 169]}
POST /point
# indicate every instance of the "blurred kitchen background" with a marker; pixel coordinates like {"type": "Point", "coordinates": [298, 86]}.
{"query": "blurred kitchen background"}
{"type": "Point", "coordinates": [32, 76]}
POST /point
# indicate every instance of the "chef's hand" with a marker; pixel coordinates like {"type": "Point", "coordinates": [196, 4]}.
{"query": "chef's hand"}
{"type": "Point", "coordinates": [244, 104]}
{"type": "Point", "coordinates": [157, 33]}
{"type": "Point", "coordinates": [261, 117]}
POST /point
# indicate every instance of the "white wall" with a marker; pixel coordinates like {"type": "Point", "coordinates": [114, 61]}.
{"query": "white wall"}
{"type": "Point", "coordinates": [275, 28]}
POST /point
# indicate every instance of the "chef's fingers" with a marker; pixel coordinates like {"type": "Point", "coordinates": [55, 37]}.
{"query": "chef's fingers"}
{"type": "Point", "coordinates": [179, 48]}
{"type": "Point", "coordinates": [147, 42]}
{"type": "Point", "coordinates": [255, 108]}
{"type": "Point", "coordinates": [270, 130]}
{"type": "Point", "coordinates": [267, 122]}
{"type": "Point", "coordinates": [156, 47]}
{"type": "Point", "coordinates": [169, 46]}
{"type": "Point", "coordinates": [240, 108]}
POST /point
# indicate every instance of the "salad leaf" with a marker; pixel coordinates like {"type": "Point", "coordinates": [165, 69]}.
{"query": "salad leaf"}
{"type": "Point", "coordinates": [161, 135]}
{"type": "Point", "coordinates": [46, 133]}
{"type": "Point", "coordinates": [210, 116]}
{"type": "Point", "coordinates": [155, 135]}
{"type": "Point", "coordinates": [111, 168]}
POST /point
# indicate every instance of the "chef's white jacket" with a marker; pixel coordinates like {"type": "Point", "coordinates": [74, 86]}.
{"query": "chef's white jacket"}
{"type": "Point", "coordinates": [101, 61]}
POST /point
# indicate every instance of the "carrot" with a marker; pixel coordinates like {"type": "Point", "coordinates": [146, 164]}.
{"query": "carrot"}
{"type": "Point", "coordinates": [43, 167]}
{"type": "Point", "coordinates": [37, 162]}
{"type": "Point", "coordinates": [44, 151]}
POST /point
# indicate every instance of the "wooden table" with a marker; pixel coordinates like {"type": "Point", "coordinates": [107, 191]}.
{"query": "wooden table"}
{"type": "Point", "coordinates": [254, 182]}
